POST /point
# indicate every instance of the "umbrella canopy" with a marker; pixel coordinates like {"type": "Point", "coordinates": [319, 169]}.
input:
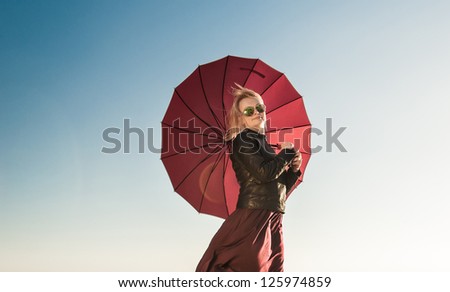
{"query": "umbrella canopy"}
{"type": "Point", "coordinates": [194, 152]}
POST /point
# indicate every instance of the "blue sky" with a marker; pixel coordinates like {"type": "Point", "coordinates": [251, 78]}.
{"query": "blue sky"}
{"type": "Point", "coordinates": [69, 70]}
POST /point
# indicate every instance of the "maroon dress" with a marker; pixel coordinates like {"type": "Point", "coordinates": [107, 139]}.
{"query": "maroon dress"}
{"type": "Point", "coordinates": [251, 238]}
{"type": "Point", "coordinates": [248, 240]}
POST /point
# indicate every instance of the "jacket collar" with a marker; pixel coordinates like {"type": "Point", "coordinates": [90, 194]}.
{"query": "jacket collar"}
{"type": "Point", "coordinates": [253, 132]}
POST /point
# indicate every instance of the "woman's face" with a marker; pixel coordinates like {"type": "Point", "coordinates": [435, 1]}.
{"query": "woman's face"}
{"type": "Point", "coordinates": [257, 120]}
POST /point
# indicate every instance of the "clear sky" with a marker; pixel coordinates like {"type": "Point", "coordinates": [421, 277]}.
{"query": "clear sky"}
{"type": "Point", "coordinates": [70, 69]}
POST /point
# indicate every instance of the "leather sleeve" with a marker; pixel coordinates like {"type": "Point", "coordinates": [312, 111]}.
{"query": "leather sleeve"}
{"type": "Point", "coordinates": [291, 178]}
{"type": "Point", "coordinates": [247, 150]}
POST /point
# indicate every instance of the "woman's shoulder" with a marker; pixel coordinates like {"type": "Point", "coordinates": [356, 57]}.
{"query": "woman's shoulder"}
{"type": "Point", "coordinates": [247, 139]}
{"type": "Point", "coordinates": [250, 134]}
{"type": "Point", "coordinates": [247, 135]}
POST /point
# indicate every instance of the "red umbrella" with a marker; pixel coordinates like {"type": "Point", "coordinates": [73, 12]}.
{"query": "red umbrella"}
{"type": "Point", "coordinates": [193, 149]}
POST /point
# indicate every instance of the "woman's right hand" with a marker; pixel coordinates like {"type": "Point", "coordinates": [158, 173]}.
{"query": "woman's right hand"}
{"type": "Point", "coordinates": [286, 145]}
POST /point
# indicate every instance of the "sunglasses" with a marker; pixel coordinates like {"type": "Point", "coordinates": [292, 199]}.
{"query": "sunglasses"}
{"type": "Point", "coordinates": [249, 111]}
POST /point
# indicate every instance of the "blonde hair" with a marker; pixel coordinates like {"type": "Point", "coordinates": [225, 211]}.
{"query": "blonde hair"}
{"type": "Point", "coordinates": [235, 125]}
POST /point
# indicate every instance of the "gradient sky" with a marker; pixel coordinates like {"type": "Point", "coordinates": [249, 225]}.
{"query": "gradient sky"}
{"type": "Point", "coordinates": [70, 69]}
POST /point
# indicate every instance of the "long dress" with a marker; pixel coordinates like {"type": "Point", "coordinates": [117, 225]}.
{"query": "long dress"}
{"type": "Point", "coordinates": [250, 239]}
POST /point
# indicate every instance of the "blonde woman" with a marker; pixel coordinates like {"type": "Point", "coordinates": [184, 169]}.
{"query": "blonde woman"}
{"type": "Point", "coordinates": [251, 238]}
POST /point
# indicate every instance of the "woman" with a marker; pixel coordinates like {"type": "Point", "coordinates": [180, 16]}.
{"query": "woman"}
{"type": "Point", "coordinates": [251, 238]}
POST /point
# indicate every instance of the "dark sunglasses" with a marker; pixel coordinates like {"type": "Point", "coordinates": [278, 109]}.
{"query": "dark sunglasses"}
{"type": "Point", "coordinates": [249, 111]}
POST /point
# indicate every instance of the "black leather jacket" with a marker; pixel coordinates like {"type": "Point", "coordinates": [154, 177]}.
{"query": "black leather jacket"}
{"type": "Point", "coordinates": [262, 175]}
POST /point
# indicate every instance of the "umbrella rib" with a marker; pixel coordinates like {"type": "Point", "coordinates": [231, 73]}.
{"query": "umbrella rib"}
{"type": "Point", "coordinates": [207, 102]}
{"type": "Point", "coordinates": [278, 78]}
{"type": "Point", "coordinates": [223, 89]}
{"type": "Point", "coordinates": [288, 128]}
{"type": "Point", "coordinates": [250, 72]}
{"type": "Point", "coordinates": [192, 170]}
{"type": "Point", "coordinates": [223, 186]}
{"type": "Point", "coordinates": [187, 150]}
{"type": "Point", "coordinates": [189, 131]}
{"type": "Point", "coordinates": [209, 126]}
{"type": "Point", "coordinates": [209, 176]}
{"type": "Point", "coordinates": [280, 106]}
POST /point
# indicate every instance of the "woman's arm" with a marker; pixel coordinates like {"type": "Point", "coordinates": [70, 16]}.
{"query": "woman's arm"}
{"type": "Point", "coordinates": [290, 178]}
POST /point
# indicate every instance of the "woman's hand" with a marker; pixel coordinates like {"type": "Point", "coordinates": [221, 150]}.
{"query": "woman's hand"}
{"type": "Point", "coordinates": [296, 162]}
{"type": "Point", "coordinates": [286, 145]}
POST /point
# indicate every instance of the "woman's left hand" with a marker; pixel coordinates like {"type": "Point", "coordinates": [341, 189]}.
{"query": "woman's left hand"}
{"type": "Point", "coordinates": [296, 162]}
